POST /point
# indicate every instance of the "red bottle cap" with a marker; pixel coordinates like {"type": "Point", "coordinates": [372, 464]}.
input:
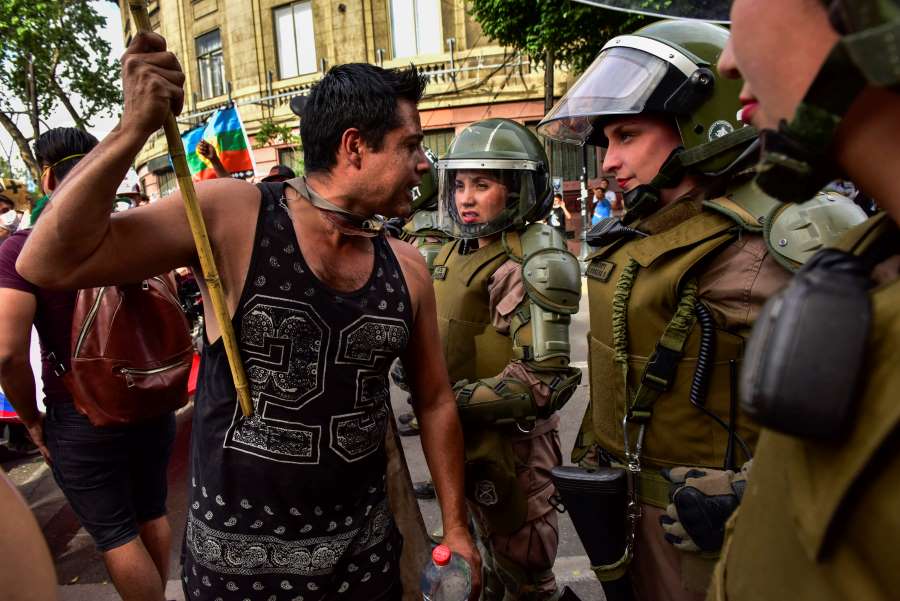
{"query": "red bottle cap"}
{"type": "Point", "coordinates": [440, 555]}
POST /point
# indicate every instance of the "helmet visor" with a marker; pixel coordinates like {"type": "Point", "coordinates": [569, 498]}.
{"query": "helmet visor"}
{"type": "Point", "coordinates": [618, 82]}
{"type": "Point", "coordinates": [479, 202]}
{"type": "Point", "coordinates": [712, 11]}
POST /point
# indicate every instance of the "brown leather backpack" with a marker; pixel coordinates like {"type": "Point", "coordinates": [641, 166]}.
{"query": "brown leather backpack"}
{"type": "Point", "coordinates": [131, 352]}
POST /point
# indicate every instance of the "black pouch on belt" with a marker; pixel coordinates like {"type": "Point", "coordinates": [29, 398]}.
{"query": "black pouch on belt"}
{"type": "Point", "coordinates": [596, 501]}
{"type": "Point", "coordinates": [805, 356]}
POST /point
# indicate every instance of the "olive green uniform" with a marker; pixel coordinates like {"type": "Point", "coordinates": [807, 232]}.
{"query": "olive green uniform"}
{"type": "Point", "coordinates": [642, 295]}
{"type": "Point", "coordinates": [819, 520]}
{"type": "Point", "coordinates": [422, 231]}
{"type": "Point", "coordinates": [486, 311]}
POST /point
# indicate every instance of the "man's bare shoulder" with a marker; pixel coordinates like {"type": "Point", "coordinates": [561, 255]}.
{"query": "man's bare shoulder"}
{"type": "Point", "coordinates": [413, 265]}
{"type": "Point", "coordinates": [406, 252]}
{"type": "Point", "coordinates": [226, 192]}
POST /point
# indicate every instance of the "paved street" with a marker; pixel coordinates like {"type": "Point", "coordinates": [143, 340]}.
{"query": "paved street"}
{"type": "Point", "coordinates": [80, 569]}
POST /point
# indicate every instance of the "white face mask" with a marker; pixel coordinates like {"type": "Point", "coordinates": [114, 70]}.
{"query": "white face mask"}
{"type": "Point", "coordinates": [10, 220]}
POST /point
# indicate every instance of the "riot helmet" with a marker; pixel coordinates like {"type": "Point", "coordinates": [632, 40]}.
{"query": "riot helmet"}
{"type": "Point", "coordinates": [711, 11]}
{"type": "Point", "coordinates": [666, 68]}
{"type": "Point", "coordinates": [424, 196]}
{"type": "Point", "coordinates": [501, 151]}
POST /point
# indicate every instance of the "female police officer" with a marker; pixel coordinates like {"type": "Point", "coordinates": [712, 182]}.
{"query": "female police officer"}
{"type": "Point", "coordinates": [505, 290]}
{"type": "Point", "coordinates": [674, 290]}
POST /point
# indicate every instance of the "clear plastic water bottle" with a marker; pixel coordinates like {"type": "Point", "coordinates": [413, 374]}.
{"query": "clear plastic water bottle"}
{"type": "Point", "coordinates": [446, 577]}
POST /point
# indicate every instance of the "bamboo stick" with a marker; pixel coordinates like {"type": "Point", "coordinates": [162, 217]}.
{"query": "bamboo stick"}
{"type": "Point", "coordinates": [141, 20]}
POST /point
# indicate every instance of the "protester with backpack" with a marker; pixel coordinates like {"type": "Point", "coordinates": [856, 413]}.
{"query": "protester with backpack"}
{"type": "Point", "coordinates": [113, 475]}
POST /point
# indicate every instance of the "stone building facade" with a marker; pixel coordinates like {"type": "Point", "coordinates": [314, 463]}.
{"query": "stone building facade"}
{"type": "Point", "coordinates": [260, 53]}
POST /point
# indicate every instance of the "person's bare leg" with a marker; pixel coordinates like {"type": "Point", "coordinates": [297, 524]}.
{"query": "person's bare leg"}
{"type": "Point", "coordinates": [157, 538]}
{"type": "Point", "coordinates": [133, 572]}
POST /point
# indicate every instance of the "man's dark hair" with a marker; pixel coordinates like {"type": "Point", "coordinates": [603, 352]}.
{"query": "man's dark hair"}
{"type": "Point", "coordinates": [60, 142]}
{"type": "Point", "coordinates": [355, 95]}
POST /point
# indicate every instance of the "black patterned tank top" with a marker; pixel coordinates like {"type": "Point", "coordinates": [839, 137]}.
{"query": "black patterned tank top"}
{"type": "Point", "coordinates": [291, 503]}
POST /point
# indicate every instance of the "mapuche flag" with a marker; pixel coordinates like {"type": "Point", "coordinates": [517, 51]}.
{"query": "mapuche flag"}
{"type": "Point", "coordinates": [225, 132]}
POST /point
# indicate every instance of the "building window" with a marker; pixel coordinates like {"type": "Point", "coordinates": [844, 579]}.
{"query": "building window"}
{"type": "Point", "coordinates": [438, 141]}
{"type": "Point", "coordinates": [286, 156]}
{"type": "Point", "coordinates": [416, 27]}
{"type": "Point", "coordinates": [293, 158]}
{"type": "Point", "coordinates": [211, 64]}
{"type": "Point", "coordinates": [565, 161]}
{"type": "Point", "coordinates": [296, 39]}
{"type": "Point", "coordinates": [167, 182]}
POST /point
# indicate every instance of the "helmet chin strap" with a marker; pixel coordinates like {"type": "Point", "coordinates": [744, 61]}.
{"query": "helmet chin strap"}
{"type": "Point", "coordinates": [646, 198]}
{"type": "Point", "coordinates": [796, 158]}
{"type": "Point", "coordinates": [344, 221]}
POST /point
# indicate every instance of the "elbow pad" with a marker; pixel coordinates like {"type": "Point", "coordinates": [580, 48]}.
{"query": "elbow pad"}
{"type": "Point", "coordinates": [495, 401]}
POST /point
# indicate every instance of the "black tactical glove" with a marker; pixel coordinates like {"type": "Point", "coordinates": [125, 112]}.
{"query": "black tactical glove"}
{"type": "Point", "coordinates": [702, 500]}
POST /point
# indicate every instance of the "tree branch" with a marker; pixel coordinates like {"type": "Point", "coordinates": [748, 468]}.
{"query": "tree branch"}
{"type": "Point", "coordinates": [22, 143]}
{"type": "Point", "coordinates": [64, 98]}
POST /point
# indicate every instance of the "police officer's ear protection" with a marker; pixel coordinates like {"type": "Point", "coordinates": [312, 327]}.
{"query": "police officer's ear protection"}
{"type": "Point", "coordinates": [804, 360]}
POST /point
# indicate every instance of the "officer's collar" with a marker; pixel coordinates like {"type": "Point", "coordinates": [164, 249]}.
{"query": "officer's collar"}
{"type": "Point", "coordinates": [681, 209]}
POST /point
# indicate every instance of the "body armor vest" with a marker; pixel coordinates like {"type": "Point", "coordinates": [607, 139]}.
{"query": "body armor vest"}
{"type": "Point", "coordinates": [819, 521]}
{"type": "Point", "coordinates": [657, 270]}
{"type": "Point", "coordinates": [472, 347]}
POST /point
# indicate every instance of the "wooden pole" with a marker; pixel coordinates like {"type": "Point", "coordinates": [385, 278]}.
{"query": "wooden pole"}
{"type": "Point", "coordinates": [201, 239]}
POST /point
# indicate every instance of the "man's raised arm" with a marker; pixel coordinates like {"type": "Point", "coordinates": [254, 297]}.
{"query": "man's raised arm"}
{"type": "Point", "coordinates": [77, 243]}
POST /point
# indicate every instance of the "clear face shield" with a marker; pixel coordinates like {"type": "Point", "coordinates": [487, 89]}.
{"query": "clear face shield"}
{"type": "Point", "coordinates": [479, 198]}
{"type": "Point", "coordinates": [711, 11]}
{"type": "Point", "coordinates": [618, 82]}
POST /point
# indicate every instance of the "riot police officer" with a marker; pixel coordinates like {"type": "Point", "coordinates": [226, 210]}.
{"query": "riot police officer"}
{"type": "Point", "coordinates": [674, 288]}
{"type": "Point", "coordinates": [506, 288]}
{"type": "Point", "coordinates": [819, 519]}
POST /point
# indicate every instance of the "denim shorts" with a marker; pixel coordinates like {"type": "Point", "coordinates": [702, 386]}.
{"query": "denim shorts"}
{"type": "Point", "coordinates": [113, 477]}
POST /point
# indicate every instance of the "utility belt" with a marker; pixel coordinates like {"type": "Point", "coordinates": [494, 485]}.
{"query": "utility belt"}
{"type": "Point", "coordinates": [652, 488]}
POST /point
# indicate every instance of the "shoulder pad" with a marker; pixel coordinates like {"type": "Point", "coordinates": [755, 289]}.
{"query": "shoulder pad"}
{"type": "Point", "coordinates": [796, 231]}
{"type": "Point", "coordinates": [422, 221]}
{"type": "Point", "coordinates": [551, 274]}
{"type": "Point", "coordinates": [746, 205]}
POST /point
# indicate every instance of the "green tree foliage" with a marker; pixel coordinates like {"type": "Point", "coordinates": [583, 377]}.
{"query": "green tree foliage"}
{"type": "Point", "coordinates": [51, 54]}
{"type": "Point", "coordinates": [574, 32]}
{"type": "Point", "coordinates": [7, 171]}
{"type": "Point", "coordinates": [270, 131]}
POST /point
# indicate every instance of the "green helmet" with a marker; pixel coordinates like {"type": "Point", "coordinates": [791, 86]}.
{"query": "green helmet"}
{"type": "Point", "coordinates": [668, 67]}
{"type": "Point", "coordinates": [711, 11]}
{"type": "Point", "coordinates": [424, 196]}
{"type": "Point", "coordinates": [511, 154]}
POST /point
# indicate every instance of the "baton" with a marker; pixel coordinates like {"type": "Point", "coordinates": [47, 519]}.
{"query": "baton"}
{"type": "Point", "coordinates": [201, 239]}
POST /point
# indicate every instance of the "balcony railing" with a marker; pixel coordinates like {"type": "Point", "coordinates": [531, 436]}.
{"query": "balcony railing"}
{"type": "Point", "coordinates": [464, 72]}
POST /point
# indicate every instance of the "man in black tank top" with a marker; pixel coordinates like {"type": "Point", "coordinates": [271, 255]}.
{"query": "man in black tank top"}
{"type": "Point", "coordinates": [291, 502]}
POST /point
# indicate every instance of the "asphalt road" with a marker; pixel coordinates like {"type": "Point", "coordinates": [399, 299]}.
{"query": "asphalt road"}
{"type": "Point", "coordinates": [82, 574]}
